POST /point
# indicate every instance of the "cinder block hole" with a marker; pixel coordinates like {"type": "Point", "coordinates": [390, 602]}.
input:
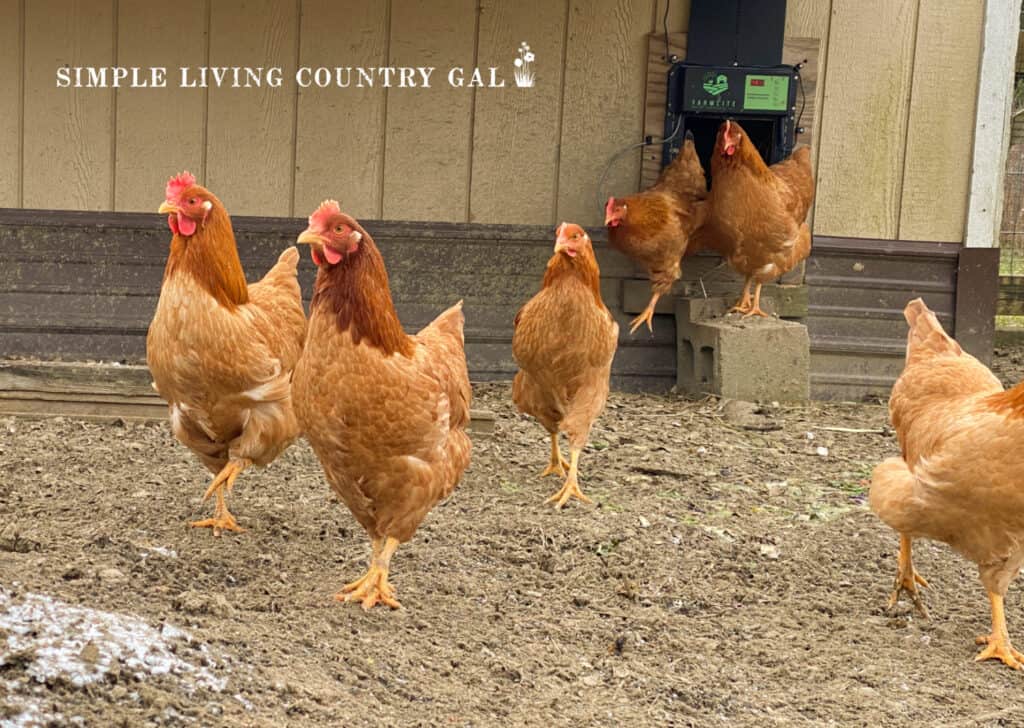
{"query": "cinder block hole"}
{"type": "Point", "coordinates": [687, 364]}
{"type": "Point", "coordinates": [707, 364]}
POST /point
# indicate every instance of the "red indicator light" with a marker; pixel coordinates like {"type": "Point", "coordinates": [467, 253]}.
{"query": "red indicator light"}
{"type": "Point", "coordinates": [757, 82]}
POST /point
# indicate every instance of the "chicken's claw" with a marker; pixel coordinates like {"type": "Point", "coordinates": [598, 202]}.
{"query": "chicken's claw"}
{"type": "Point", "coordinates": [755, 311]}
{"type": "Point", "coordinates": [570, 489]}
{"type": "Point", "coordinates": [222, 521]}
{"type": "Point", "coordinates": [556, 467]}
{"type": "Point", "coordinates": [907, 579]}
{"type": "Point", "coordinates": [999, 649]}
{"type": "Point", "coordinates": [644, 318]}
{"type": "Point", "coordinates": [372, 589]}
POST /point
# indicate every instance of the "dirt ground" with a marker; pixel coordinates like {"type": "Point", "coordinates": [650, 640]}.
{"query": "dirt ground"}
{"type": "Point", "coordinates": [728, 574]}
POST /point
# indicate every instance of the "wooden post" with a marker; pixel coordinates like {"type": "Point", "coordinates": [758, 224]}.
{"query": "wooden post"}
{"type": "Point", "coordinates": [978, 268]}
{"type": "Point", "coordinates": [992, 122]}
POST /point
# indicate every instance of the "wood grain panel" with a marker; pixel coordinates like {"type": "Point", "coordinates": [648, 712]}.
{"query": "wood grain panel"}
{"type": "Point", "coordinates": [863, 139]}
{"type": "Point", "coordinates": [10, 102]}
{"type": "Point", "coordinates": [159, 130]}
{"type": "Point", "coordinates": [340, 131]}
{"type": "Point", "coordinates": [516, 131]}
{"type": "Point", "coordinates": [941, 124]}
{"type": "Point", "coordinates": [605, 73]}
{"type": "Point", "coordinates": [429, 131]}
{"type": "Point", "coordinates": [251, 131]}
{"type": "Point", "coordinates": [68, 134]}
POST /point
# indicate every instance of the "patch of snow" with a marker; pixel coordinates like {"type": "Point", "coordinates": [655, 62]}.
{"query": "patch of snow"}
{"type": "Point", "coordinates": [53, 640]}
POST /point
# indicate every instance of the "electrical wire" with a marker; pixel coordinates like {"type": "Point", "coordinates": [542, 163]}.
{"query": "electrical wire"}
{"type": "Point", "coordinates": [630, 148]}
{"type": "Point", "coordinates": [803, 96]}
{"type": "Point", "coordinates": [664, 25]}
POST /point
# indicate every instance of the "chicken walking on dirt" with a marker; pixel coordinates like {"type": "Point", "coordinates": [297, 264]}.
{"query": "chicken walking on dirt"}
{"type": "Point", "coordinates": [385, 412]}
{"type": "Point", "coordinates": [757, 213]}
{"type": "Point", "coordinates": [654, 227]}
{"type": "Point", "coordinates": [959, 479]}
{"type": "Point", "coordinates": [222, 352]}
{"type": "Point", "coordinates": [564, 343]}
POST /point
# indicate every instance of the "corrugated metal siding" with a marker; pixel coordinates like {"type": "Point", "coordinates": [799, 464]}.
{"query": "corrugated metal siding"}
{"type": "Point", "coordinates": [83, 286]}
{"type": "Point", "coordinates": [858, 289]}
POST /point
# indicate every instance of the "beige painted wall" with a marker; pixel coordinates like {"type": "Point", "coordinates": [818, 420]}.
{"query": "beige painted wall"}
{"type": "Point", "coordinates": [896, 94]}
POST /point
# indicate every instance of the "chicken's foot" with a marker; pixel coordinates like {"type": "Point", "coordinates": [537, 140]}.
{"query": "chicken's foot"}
{"type": "Point", "coordinates": [755, 308]}
{"type": "Point", "coordinates": [373, 587]}
{"type": "Point", "coordinates": [222, 519]}
{"type": "Point", "coordinates": [998, 643]}
{"type": "Point", "coordinates": [571, 487]}
{"type": "Point", "coordinates": [907, 578]}
{"type": "Point", "coordinates": [558, 464]}
{"type": "Point", "coordinates": [646, 317]}
{"type": "Point", "coordinates": [745, 303]}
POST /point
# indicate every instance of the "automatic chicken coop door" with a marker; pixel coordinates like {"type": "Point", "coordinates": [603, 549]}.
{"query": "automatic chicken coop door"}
{"type": "Point", "coordinates": [733, 70]}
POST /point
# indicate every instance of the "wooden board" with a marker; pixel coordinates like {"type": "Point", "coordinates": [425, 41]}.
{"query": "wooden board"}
{"type": "Point", "coordinates": [863, 134]}
{"type": "Point", "coordinates": [516, 131]}
{"type": "Point", "coordinates": [250, 138]}
{"type": "Point", "coordinates": [10, 102]}
{"type": "Point", "coordinates": [159, 131]}
{"type": "Point", "coordinates": [105, 392]}
{"type": "Point", "coordinates": [605, 72]}
{"type": "Point", "coordinates": [83, 286]}
{"type": "Point", "coordinates": [68, 132]}
{"type": "Point", "coordinates": [940, 127]}
{"type": "Point", "coordinates": [340, 138]}
{"type": "Point", "coordinates": [1011, 296]}
{"type": "Point", "coordinates": [794, 50]}
{"type": "Point", "coordinates": [429, 131]}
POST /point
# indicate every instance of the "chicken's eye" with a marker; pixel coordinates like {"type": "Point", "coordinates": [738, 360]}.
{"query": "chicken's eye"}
{"type": "Point", "coordinates": [192, 201]}
{"type": "Point", "coordinates": [339, 229]}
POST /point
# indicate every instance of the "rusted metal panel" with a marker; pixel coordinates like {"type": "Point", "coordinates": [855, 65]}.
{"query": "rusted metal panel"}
{"type": "Point", "coordinates": [858, 289]}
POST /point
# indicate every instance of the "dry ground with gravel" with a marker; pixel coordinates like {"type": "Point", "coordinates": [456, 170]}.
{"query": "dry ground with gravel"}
{"type": "Point", "coordinates": [729, 573]}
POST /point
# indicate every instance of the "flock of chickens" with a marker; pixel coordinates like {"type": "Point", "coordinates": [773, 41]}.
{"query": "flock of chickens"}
{"type": "Point", "coordinates": [244, 373]}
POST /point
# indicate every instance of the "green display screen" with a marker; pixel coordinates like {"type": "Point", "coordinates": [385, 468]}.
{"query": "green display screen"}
{"type": "Point", "coordinates": [765, 93]}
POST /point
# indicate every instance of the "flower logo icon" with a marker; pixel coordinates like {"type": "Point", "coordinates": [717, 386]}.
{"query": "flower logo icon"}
{"type": "Point", "coordinates": [524, 74]}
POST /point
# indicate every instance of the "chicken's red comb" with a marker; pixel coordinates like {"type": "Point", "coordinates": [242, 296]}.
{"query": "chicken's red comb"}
{"type": "Point", "coordinates": [178, 184]}
{"type": "Point", "coordinates": [327, 210]}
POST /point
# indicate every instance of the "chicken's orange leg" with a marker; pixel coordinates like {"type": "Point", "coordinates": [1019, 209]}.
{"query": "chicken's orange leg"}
{"type": "Point", "coordinates": [744, 304]}
{"type": "Point", "coordinates": [755, 309]}
{"type": "Point", "coordinates": [999, 647]}
{"type": "Point", "coordinates": [907, 579]}
{"type": "Point", "coordinates": [222, 519]}
{"type": "Point", "coordinates": [646, 317]}
{"type": "Point", "coordinates": [571, 487]}
{"type": "Point", "coordinates": [558, 464]}
{"type": "Point", "coordinates": [373, 588]}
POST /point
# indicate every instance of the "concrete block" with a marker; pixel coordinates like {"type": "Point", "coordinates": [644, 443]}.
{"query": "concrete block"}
{"type": "Point", "coordinates": [755, 359]}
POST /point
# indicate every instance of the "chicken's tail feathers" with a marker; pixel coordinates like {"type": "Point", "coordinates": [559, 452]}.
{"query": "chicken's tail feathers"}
{"type": "Point", "coordinates": [892, 486]}
{"type": "Point", "coordinates": [287, 264]}
{"type": "Point", "coordinates": [449, 322]}
{"type": "Point", "coordinates": [926, 335]}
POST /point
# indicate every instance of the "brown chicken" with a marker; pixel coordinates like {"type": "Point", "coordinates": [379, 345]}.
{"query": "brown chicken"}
{"type": "Point", "coordinates": [385, 412]}
{"type": "Point", "coordinates": [960, 477]}
{"type": "Point", "coordinates": [757, 213]}
{"type": "Point", "coordinates": [222, 352]}
{"type": "Point", "coordinates": [653, 227]}
{"type": "Point", "coordinates": [564, 342]}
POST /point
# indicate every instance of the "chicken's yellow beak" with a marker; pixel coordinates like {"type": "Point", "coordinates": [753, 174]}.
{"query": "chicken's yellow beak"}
{"type": "Point", "coordinates": [166, 208]}
{"type": "Point", "coordinates": [311, 237]}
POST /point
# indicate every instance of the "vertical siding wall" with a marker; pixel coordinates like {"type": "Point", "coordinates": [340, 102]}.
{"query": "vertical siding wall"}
{"type": "Point", "coordinates": [497, 156]}
{"type": "Point", "coordinates": [896, 97]}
